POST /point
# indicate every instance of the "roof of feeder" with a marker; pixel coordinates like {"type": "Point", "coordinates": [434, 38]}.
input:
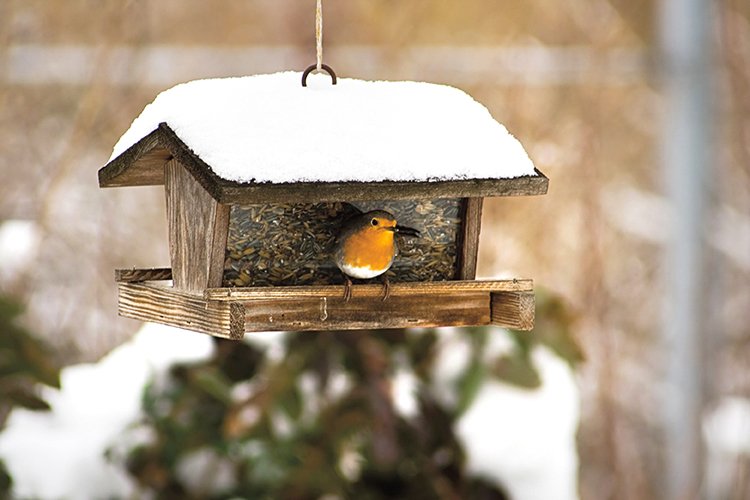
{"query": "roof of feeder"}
{"type": "Point", "coordinates": [265, 137]}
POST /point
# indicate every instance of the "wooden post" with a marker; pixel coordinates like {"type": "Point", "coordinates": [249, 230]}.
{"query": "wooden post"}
{"type": "Point", "coordinates": [198, 227]}
{"type": "Point", "coordinates": [469, 239]}
{"type": "Point", "coordinates": [513, 310]}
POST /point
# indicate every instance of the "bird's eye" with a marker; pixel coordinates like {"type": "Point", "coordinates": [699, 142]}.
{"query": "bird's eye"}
{"type": "Point", "coordinates": [374, 222]}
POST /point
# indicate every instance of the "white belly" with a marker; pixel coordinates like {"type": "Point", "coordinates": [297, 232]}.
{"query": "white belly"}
{"type": "Point", "coordinates": [362, 273]}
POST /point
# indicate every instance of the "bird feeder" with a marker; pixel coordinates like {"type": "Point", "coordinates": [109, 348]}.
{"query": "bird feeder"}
{"type": "Point", "coordinates": [259, 174]}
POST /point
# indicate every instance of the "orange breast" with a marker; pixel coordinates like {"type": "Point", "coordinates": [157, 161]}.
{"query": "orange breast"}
{"type": "Point", "coordinates": [371, 247]}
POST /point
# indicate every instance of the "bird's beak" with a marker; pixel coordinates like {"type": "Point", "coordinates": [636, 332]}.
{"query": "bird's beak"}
{"type": "Point", "coordinates": [408, 231]}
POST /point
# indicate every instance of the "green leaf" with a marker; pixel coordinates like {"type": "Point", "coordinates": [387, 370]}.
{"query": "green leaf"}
{"type": "Point", "coordinates": [21, 352]}
{"type": "Point", "coordinates": [564, 345]}
{"type": "Point", "coordinates": [469, 384]}
{"type": "Point", "coordinates": [291, 402]}
{"type": "Point", "coordinates": [9, 309]}
{"type": "Point", "coordinates": [554, 328]}
{"type": "Point", "coordinates": [6, 482]}
{"type": "Point", "coordinates": [524, 341]}
{"type": "Point", "coordinates": [40, 361]}
{"type": "Point", "coordinates": [422, 350]}
{"type": "Point", "coordinates": [214, 383]}
{"type": "Point", "coordinates": [28, 400]}
{"type": "Point", "coordinates": [238, 360]}
{"type": "Point", "coordinates": [517, 370]}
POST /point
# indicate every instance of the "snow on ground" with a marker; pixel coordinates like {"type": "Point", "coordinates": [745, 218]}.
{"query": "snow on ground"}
{"type": "Point", "coordinates": [526, 440]}
{"type": "Point", "coordinates": [404, 385]}
{"type": "Point", "coordinates": [523, 440]}
{"type": "Point", "coordinates": [59, 454]}
{"type": "Point", "coordinates": [726, 432]}
{"type": "Point", "coordinates": [268, 128]}
{"type": "Point", "coordinates": [19, 242]}
{"type": "Point", "coordinates": [727, 428]}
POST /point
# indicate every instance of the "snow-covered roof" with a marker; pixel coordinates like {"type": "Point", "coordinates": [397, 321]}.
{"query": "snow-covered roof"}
{"type": "Point", "coordinates": [270, 129]}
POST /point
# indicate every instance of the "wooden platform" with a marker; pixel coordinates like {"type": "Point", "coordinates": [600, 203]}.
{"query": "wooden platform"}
{"type": "Point", "coordinates": [232, 312]}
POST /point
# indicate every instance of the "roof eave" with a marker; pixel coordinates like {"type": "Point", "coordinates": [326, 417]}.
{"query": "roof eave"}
{"type": "Point", "coordinates": [230, 192]}
{"type": "Point", "coordinates": [143, 165]}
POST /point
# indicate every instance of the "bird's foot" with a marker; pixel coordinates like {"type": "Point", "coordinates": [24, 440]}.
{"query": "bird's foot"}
{"type": "Point", "coordinates": [386, 288]}
{"type": "Point", "coordinates": [347, 289]}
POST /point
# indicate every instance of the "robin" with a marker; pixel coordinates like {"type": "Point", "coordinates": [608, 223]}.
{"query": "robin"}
{"type": "Point", "coordinates": [366, 246]}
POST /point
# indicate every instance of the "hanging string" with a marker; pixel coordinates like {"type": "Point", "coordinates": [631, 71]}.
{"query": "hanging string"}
{"type": "Point", "coordinates": [319, 66]}
{"type": "Point", "coordinates": [319, 33]}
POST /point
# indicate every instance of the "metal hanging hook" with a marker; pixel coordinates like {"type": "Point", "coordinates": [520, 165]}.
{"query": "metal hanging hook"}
{"type": "Point", "coordinates": [319, 47]}
{"type": "Point", "coordinates": [323, 67]}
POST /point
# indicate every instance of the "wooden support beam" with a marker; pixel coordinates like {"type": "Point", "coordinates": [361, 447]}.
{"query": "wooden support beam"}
{"type": "Point", "coordinates": [375, 290]}
{"type": "Point", "coordinates": [513, 310]}
{"type": "Point", "coordinates": [167, 306]}
{"type": "Point", "coordinates": [468, 243]}
{"type": "Point", "coordinates": [410, 305]}
{"type": "Point", "coordinates": [458, 309]}
{"type": "Point", "coordinates": [135, 275]}
{"type": "Point", "coordinates": [231, 192]}
{"type": "Point", "coordinates": [198, 227]}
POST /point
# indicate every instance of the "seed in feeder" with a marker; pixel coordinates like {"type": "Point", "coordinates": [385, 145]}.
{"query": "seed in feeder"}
{"type": "Point", "coordinates": [302, 235]}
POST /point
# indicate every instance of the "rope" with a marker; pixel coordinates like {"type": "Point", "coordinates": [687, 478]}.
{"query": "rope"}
{"type": "Point", "coordinates": [319, 33]}
{"type": "Point", "coordinates": [319, 66]}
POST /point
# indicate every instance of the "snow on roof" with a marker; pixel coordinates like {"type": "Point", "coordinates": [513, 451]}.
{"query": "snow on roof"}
{"type": "Point", "coordinates": [268, 128]}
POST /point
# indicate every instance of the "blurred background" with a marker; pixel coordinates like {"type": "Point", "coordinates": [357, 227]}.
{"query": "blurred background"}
{"type": "Point", "coordinates": [638, 111]}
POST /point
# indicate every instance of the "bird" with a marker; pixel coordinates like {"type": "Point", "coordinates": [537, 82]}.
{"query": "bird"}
{"type": "Point", "coordinates": [366, 246]}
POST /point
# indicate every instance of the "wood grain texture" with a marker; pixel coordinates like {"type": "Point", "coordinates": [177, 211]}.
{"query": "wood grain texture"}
{"type": "Point", "coordinates": [468, 243]}
{"type": "Point", "coordinates": [161, 303]}
{"type": "Point", "coordinates": [135, 275]}
{"type": "Point", "coordinates": [218, 249]}
{"type": "Point", "coordinates": [458, 309]}
{"type": "Point", "coordinates": [198, 227]}
{"type": "Point", "coordinates": [435, 288]}
{"type": "Point", "coordinates": [142, 164]}
{"type": "Point", "coordinates": [228, 192]}
{"type": "Point", "coordinates": [513, 310]}
{"type": "Point", "coordinates": [167, 306]}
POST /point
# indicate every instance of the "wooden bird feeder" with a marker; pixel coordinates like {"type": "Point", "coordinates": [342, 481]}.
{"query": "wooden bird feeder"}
{"type": "Point", "coordinates": [251, 254]}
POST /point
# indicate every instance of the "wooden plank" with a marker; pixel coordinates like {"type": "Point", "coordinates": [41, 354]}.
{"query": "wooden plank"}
{"type": "Point", "coordinates": [513, 310]}
{"type": "Point", "coordinates": [468, 242]}
{"type": "Point", "coordinates": [163, 304]}
{"type": "Point", "coordinates": [456, 309]}
{"type": "Point", "coordinates": [167, 306]}
{"type": "Point", "coordinates": [368, 290]}
{"type": "Point", "coordinates": [229, 192]}
{"type": "Point", "coordinates": [138, 166]}
{"type": "Point", "coordinates": [142, 164]}
{"type": "Point", "coordinates": [198, 227]}
{"type": "Point", "coordinates": [135, 275]}
{"type": "Point", "coordinates": [218, 249]}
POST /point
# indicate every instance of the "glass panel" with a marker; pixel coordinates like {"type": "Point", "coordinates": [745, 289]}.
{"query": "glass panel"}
{"type": "Point", "coordinates": [291, 244]}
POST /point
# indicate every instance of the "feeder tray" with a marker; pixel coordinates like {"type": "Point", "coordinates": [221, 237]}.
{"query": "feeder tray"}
{"type": "Point", "coordinates": [255, 256]}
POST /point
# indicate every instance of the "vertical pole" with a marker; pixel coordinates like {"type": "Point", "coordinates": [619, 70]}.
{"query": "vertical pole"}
{"type": "Point", "coordinates": [685, 27]}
